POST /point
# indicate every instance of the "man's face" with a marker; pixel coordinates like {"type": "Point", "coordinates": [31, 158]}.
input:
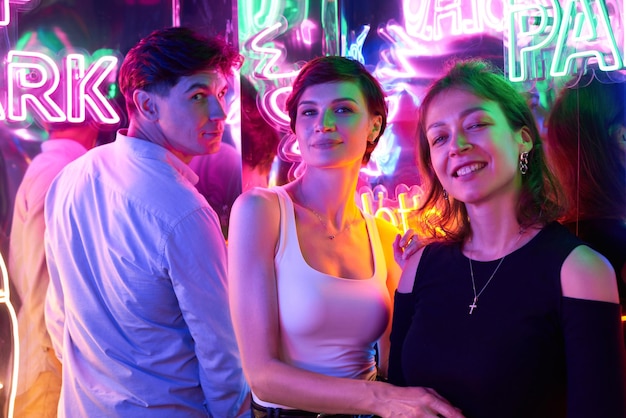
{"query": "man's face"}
{"type": "Point", "coordinates": [191, 117]}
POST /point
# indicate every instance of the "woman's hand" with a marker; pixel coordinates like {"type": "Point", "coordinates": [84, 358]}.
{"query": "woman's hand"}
{"type": "Point", "coordinates": [405, 246]}
{"type": "Point", "coordinates": [419, 402]}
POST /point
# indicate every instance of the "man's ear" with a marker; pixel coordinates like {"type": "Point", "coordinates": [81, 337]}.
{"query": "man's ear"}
{"type": "Point", "coordinates": [146, 105]}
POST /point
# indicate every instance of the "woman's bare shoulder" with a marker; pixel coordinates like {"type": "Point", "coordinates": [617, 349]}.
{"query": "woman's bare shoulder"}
{"type": "Point", "coordinates": [586, 274]}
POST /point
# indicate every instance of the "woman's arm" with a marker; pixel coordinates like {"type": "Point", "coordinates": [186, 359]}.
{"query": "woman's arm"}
{"type": "Point", "coordinates": [402, 317]}
{"type": "Point", "coordinates": [592, 330]}
{"type": "Point", "coordinates": [388, 234]}
{"type": "Point", "coordinates": [253, 235]}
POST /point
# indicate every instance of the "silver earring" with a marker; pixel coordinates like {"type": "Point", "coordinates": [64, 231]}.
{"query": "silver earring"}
{"type": "Point", "coordinates": [445, 195]}
{"type": "Point", "coordinates": [523, 163]}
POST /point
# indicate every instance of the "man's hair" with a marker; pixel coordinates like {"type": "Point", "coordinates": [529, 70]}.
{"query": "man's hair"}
{"type": "Point", "coordinates": [161, 59]}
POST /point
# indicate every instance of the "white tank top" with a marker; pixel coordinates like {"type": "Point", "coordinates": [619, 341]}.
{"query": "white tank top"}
{"type": "Point", "coordinates": [328, 324]}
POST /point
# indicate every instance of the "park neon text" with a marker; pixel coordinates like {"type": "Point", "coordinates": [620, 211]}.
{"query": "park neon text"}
{"type": "Point", "coordinates": [34, 80]}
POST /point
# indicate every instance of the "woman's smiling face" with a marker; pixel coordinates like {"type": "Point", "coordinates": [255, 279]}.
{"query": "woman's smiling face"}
{"type": "Point", "coordinates": [473, 150]}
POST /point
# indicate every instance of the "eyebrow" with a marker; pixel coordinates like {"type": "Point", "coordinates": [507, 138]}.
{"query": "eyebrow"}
{"type": "Point", "coordinates": [203, 86]}
{"type": "Point", "coordinates": [341, 99]}
{"type": "Point", "coordinates": [463, 114]}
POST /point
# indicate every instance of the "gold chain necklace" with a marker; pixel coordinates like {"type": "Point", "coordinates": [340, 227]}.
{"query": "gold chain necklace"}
{"type": "Point", "coordinates": [329, 235]}
{"type": "Point", "coordinates": [474, 303]}
{"type": "Point", "coordinates": [324, 224]}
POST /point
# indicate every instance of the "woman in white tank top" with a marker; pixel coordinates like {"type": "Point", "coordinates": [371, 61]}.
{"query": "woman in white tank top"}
{"type": "Point", "coordinates": [311, 277]}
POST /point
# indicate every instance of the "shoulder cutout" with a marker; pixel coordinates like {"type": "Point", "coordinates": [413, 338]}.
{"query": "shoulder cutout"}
{"type": "Point", "coordinates": [586, 274]}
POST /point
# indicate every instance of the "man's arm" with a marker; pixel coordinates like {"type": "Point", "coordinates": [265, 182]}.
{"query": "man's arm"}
{"type": "Point", "coordinates": [198, 270]}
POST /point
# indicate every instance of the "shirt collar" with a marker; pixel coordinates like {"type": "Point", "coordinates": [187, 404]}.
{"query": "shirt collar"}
{"type": "Point", "coordinates": [147, 149]}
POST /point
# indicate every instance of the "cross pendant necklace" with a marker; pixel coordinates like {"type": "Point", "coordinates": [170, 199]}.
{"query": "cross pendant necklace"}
{"type": "Point", "coordinates": [474, 304]}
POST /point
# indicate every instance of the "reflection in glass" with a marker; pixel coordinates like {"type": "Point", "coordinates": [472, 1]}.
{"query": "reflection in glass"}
{"type": "Point", "coordinates": [9, 341]}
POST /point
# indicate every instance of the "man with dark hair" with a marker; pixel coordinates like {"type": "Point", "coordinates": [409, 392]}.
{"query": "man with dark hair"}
{"type": "Point", "coordinates": [137, 306]}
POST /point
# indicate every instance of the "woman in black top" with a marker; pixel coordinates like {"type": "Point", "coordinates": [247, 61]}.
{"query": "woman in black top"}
{"type": "Point", "coordinates": [504, 313]}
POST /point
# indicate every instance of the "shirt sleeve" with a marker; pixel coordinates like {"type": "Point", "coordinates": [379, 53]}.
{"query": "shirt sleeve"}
{"type": "Point", "coordinates": [595, 356]}
{"type": "Point", "coordinates": [402, 317]}
{"type": "Point", "coordinates": [54, 309]}
{"type": "Point", "coordinates": [197, 258]}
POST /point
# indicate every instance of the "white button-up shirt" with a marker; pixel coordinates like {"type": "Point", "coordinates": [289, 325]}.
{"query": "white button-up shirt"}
{"type": "Point", "coordinates": [137, 306]}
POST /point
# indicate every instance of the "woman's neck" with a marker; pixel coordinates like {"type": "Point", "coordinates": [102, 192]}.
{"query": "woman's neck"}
{"type": "Point", "coordinates": [495, 231]}
{"type": "Point", "coordinates": [333, 197]}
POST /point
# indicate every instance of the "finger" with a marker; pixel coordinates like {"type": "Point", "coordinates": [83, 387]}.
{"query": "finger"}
{"type": "Point", "coordinates": [397, 243]}
{"type": "Point", "coordinates": [411, 248]}
{"type": "Point", "coordinates": [398, 250]}
{"type": "Point", "coordinates": [441, 407]}
{"type": "Point", "coordinates": [407, 237]}
{"type": "Point", "coordinates": [448, 412]}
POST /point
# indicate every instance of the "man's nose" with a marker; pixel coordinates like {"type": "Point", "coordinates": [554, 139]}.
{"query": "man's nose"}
{"type": "Point", "coordinates": [217, 109]}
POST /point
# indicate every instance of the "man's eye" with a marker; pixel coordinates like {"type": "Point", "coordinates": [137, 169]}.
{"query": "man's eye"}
{"type": "Point", "coordinates": [198, 96]}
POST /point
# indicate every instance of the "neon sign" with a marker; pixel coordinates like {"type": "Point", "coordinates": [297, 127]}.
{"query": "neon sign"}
{"type": "Point", "coordinates": [82, 88]}
{"type": "Point", "coordinates": [33, 80]}
{"type": "Point", "coordinates": [400, 211]}
{"type": "Point", "coordinates": [5, 13]}
{"type": "Point", "coordinates": [426, 19]}
{"type": "Point", "coordinates": [553, 41]}
{"type": "Point", "coordinates": [261, 44]}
